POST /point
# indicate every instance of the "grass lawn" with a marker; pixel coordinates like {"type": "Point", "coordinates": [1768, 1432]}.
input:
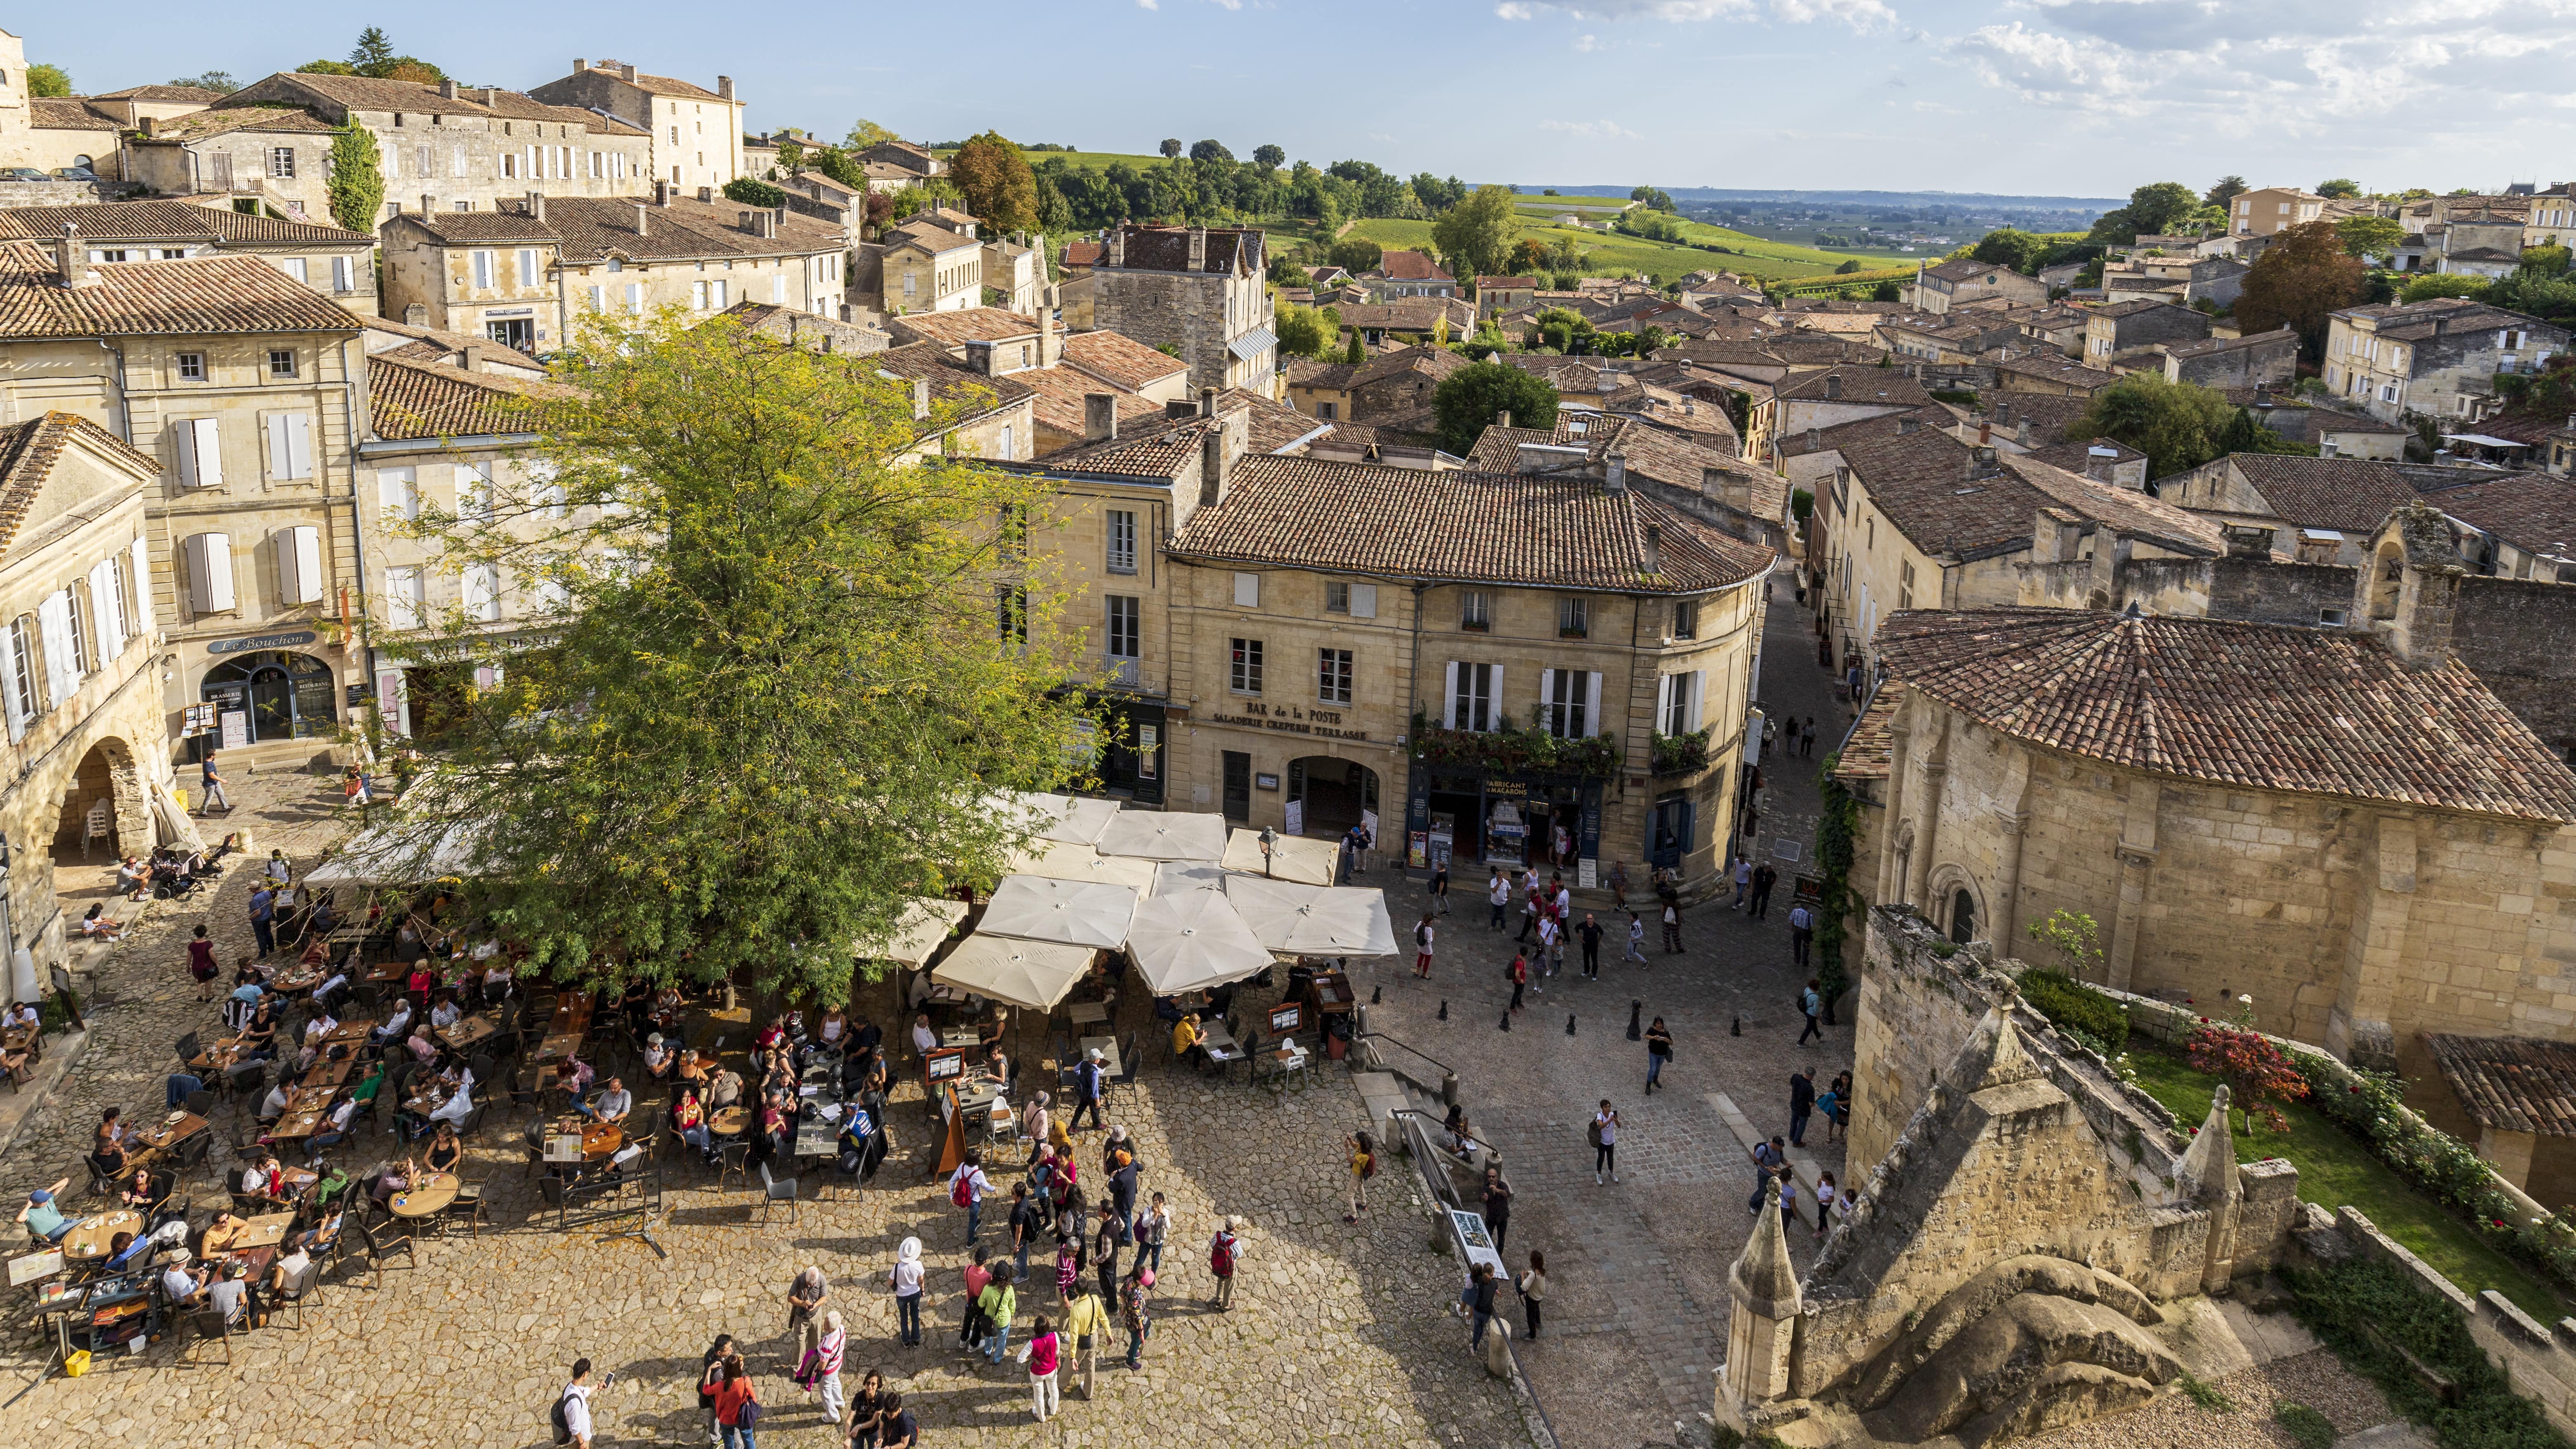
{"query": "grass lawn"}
{"type": "Point", "coordinates": [2337, 1171]}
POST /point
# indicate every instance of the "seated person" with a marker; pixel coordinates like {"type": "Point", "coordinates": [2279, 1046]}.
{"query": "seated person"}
{"type": "Point", "coordinates": [724, 1089]}
{"type": "Point", "coordinates": [44, 1219]}
{"type": "Point", "coordinates": [109, 1142]}
{"type": "Point", "coordinates": [185, 1286]}
{"type": "Point", "coordinates": [447, 1012]}
{"type": "Point", "coordinates": [658, 1059]}
{"type": "Point", "coordinates": [770, 1038]}
{"type": "Point", "coordinates": [667, 1005]}
{"type": "Point", "coordinates": [996, 1066]}
{"type": "Point", "coordinates": [259, 1034]}
{"type": "Point", "coordinates": [327, 995]}
{"type": "Point", "coordinates": [334, 1127]}
{"type": "Point", "coordinates": [132, 879]}
{"type": "Point", "coordinates": [612, 1104]}
{"type": "Point", "coordinates": [868, 1037]}
{"type": "Point", "coordinates": [221, 1231]}
{"type": "Point", "coordinates": [456, 1107]}
{"type": "Point", "coordinates": [777, 1131]}
{"type": "Point", "coordinates": [989, 1034]}
{"type": "Point", "coordinates": [1186, 1040]}
{"type": "Point", "coordinates": [232, 1295]}
{"type": "Point", "coordinates": [274, 1105]}
{"type": "Point", "coordinates": [21, 1017]}
{"type": "Point", "coordinates": [397, 1177]}
{"type": "Point", "coordinates": [834, 1024]}
{"type": "Point", "coordinates": [422, 1048]}
{"type": "Point", "coordinates": [689, 1122]}
{"type": "Point", "coordinates": [321, 1024]}
{"type": "Point", "coordinates": [396, 1027]}
{"type": "Point", "coordinates": [924, 1040]}
{"type": "Point", "coordinates": [575, 1076]}
{"type": "Point", "coordinates": [146, 1192]}
{"type": "Point", "coordinates": [422, 980]}
{"type": "Point", "coordinates": [445, 1151]}
{"type": "Point", "coordinates": [793, 1024]}
{"type": "Point", "coordinates": [326, 917]}
{"type": "Point", "coordinates": [97, 926]}
{"type": "Point", "coordinates": [126, 1251]}
{"type": "Point", "coordinates": [697, 1070]}
{"type": "Point", "coordinates": [283, 1273]}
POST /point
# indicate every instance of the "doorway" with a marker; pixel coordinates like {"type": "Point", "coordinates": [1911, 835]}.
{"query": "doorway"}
{"type": "Point", "coordinates": [1336, 793]}
{"type": "Point", "coordinates": [1238, 786]}
{"type": "Point", "coordinates": [1963, 916]}
{"type": "Point", "coordinates": [518, 332]}
{"type": "Point", "coordinates": [271, 695]}
{"type": "Point", "coordinates": [1668, 832]}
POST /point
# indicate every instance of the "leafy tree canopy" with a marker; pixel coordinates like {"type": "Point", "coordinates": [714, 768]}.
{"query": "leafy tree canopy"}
{"type": "Point", "coordinates": [1655, 200]}
{"type": "Point", "coordinates": [2153, 209]}
{"type": "Point", "coordinates": [1269, 157]}
{"type": "Point", "coordinates": [356, 189]}
{"type": "Point", "coordinates": [2442, 284]}
{"type": "Point", "coordinates": [865, 133]}
{"type": "Point", "coordinates": [47, 79]}
{"type": "Point", "coordinates": [1171, 146]}
{"type": "Point", "coordinates": [2367, 237]}
{"type": "Point", "coordinates": [1466, 401]}
{"type": "Point", "coordinates": [1355, 254]}
{"type": "Point", "coordinates": [754, 193]}
{"type": "Point", "coordinates": [2177, 425]}
{"type": "Point", "coordinates": [2339, 189]}
{"type": "Point", "coordinates": [1210, 151]}
{"type": "Point", "coordinates": [1306, 331]}
{"type": "Point", "coordinates": [2008, 247]}
{"type": "Point", "coordinates": [2223, 191]}
{"type": "Point", "coordinates": [212, 80]}
{"type": "Point", "coordinates": [996, 183]}
{"type": "Point", "coordinates": [2305, 274]}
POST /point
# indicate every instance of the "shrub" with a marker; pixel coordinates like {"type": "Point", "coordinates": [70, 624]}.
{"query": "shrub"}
{"type": "Point", "coordinates": [2262, 1073]}
{"type": "Point", "coordinates": [2206, 1396]}
{"type": "Point", "coordinates": [2372, 1317]}
{"type": "Point", "coordinates": [754, 193]}
{"type": "Point", "coordinates": [2311, 1429]}
{"type": "Point", "coordinates": [2071, 1004]}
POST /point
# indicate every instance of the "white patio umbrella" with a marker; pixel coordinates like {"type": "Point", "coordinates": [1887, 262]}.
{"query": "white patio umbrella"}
{"type": "Point", "coordinates": [1075, 913]}
{"type": "Point", "coordinates": [392, 853]}
{"type": "Point", "coordinates": [1192, 940]}
{"type": "Point", "coordinates": [1057, 860]}
{"type": "Point", "coordinates": [1031, 974]}
{"type": "Point", "coordinates": [1172, 877]}
{"type": "Point", "coordinates": [1059, 817]}
{"type": "Point", "coordinates": [1153, 835]}
{"type": "Point", "coordinates": [1292, 858]}
{"type": "Point", "coordinates": [1313, 920]}
{"type": "Point", "coordinates": [926, 923]}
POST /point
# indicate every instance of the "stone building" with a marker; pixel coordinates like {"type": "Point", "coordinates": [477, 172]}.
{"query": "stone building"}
{"type": "Point", "coordinates": [89, 773]}
{"type": "Point", "coordinates": [1940, 286]}
{"type": "Point", "coordinates": [921, 267]}
{"type": "Point", "coordinates": [47, 132]}
{"type": "Point", "coordinates": [2265, 359]}
{"type": "Point", "coordinates": [2122, 326]}
{"type": "Point", "coordinates": [2436, 358]}
{"type": "Point", "coordinates": [1803, 402]}
{"type": "Point", "coordinates": [248, 156]}
{"type": "Point", "coordinates": [2321, 510]}
{"type": "Point", "coordinates": [442, 147]}
{"type": "Point", "coordinates": [692, 135]}
{"type": "Point", "coordinates": [521, 273]}
{"type": "Point", "coordinates": [1200, 289]}
{"type": "Point", "coordinates": [335, 263]}
{"type": "Point", "coordinates": [243, 386]}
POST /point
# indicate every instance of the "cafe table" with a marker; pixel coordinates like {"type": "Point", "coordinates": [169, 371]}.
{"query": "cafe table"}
{"type": "Point", "coordinates": [1107, 1046]}
{"type": "Point", "coordinates": [295, 979]}
{"type": "Point", "coordinates": [466, 1032]}
{"type": "Point", "coordinates": [557, 1046]}
{"type": "Point", "coordinates": [349, 1031]}
{"type": "Point", "coordinates": [89, 1238]}
{"type": "Point", "coordinates": [426, 1198]}
{"type": "Point", "coordinates": [389, 971]}
{"type": "Point", "coordinates": [1222, 1048]}
{"type": "Point", "coordinates": [1087, 1013]}
{"type": "Point", "coordinates": [170, 1131]}
{"type": "Point", "coordinates": [264, 1231]}
{"type": "Point", "coordinates": [729, 1121]}
{"type": "Point", "coordinates": [959, 1036]}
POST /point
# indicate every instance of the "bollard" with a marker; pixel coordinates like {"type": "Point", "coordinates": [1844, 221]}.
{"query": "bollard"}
{"type": "Point", "coordinates": [1448, 1089]}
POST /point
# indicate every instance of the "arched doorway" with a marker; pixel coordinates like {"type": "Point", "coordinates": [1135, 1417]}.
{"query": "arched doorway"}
{"type": "Point", "coordinates": [1332, 794]}
{"type": "Point", "coordinates": [1963, 916]}
{"type": "Point", "coordinates": [279, 695]}
{"type": "Point", "coordinates": [104, 812]}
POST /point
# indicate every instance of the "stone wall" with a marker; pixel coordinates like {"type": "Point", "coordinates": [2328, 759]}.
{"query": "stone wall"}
{"type": "Point", "coordinates": [2265, 591]}
{"type": "Point", "coordinates": [2514, 633]}
{"type": "Point", "coordinates": [66, 193]}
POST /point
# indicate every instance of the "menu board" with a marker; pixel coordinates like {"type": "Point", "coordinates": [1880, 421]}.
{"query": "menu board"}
{"type": "Point", "coordinates": [945, 1066]}
{"type": "Point", "coordinates": [1287, 1017]}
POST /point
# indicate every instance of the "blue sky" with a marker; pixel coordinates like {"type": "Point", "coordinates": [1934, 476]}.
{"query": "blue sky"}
{"type": "Point", "coordinates": [2061, 97]}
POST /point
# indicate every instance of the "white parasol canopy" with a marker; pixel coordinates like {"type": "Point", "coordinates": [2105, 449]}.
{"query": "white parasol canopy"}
{"type": "Point", "coordinates": [1075, 913]}
{"type": "Point", "coordinates": [1292, 858]}
{"type": "Point", "coordinates": [1057, 860]}
{"type": "Point", "coordinates": [1313, 920]}
{"type": "Point", "coordinates": [1154, 835]}
{"type": "Point", "coordinates": [392, 853]}
{"type": "Point", "coordinates": [1031, 974]}
{"type": "Point", "coordinates": [1193, 940]}
{"type": "Point", "coordinates": [926, 923]}
{"type": "Point", "coordinates": [1060, 817]}
{"type": "Point", "coordinates": [1172, 877]}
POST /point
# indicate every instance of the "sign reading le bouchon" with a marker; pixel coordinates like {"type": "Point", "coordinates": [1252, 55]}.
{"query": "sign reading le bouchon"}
{"type": "Point", "coordinates": [1322, 723]}
{"type": "Point", "coordinates": [263, 641]}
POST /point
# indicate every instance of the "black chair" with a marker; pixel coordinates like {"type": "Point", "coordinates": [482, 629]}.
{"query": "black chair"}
{"type": "Point", "coordinates": [209, 1323]}
{"type": "Point", "coordinates": [192, 1153]}
{"type": "Point", "coordinates": [102, 1178]}
{"type": "Point", "coordinates": [473, 1122]}
{"type": "Point", "coordinates": [201, 1101]}
{"type": "Point", "coordinates": [379, 1248]}
{"type": "Point", "coordinates": [187, 1048]}
{"type": "Point", "coordinates": [1128, 1063]}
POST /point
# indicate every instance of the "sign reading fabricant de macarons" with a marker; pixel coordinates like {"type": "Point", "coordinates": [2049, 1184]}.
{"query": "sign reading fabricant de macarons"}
{"type": "Point", "coordinates": [263, 641]}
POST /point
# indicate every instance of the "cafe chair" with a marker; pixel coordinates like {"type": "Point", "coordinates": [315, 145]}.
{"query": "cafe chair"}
{"type": "Point", "coordinates": [192, 1153]}
{"type": "Point", "coordinates": [101, 1178]}
{"type": "Point", "coordinates": [776, 1191]}
{"type": "Point", "coordinates": [209, 1323]}
{"type": "Point", "coordinates": [470, 1208]}
{"type": "Point", "coordinates": [306, 1287]}
{"type": "Point", "coordinates": [1128, 1062]}
{"type": "Point", "coordinates": [187, 1047]}
{"type": "Point", "coordinates": [473, 1122]}
{"type": "Point", "coordinates": [380, 1243]}
{"type": "Point", "coordinates": [732, 1160]}
{"type": "Point", "coordinates": [201, 1101]}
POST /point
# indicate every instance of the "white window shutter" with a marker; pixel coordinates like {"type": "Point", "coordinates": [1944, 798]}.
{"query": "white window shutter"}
{"type": "Point", "coordinates": [398, 492]}
{"type": "Point", "coordinates": [1496, 714]}
{"type": "Point", "coordinates": [18, 709]}
{"type": "Point", "coordinates": [299, 445]}
{"type": "Point", "coordinates": [201, 462]}
{"type": "Point", "coordinates": [1664, 703]}
{"type": "Point", "coordinates": [1363, 601]}
{"type": "Point", "coordinates": [145, 617]}
{"type": "Point", "coordinates": [1247, 591]}
{"type": "Point", "coordinates": [1449, 698]}
{"type": "Point", "coordinates": [1698, 678]}
{"type": "Point", "coordinates": [1592, 703]}
{"type": "Point", "coordinates": [54, 617]}
{"type": "Point", "coordinates": [210, 572]}
{"type": "Point", "coordinates": [109, 602]}
{"type": "Point", "coordinates": [299, 565]}
{"type": "Point", "coordinates": [1547, 700]}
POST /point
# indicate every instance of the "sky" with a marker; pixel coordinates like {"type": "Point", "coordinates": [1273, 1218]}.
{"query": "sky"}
{"type": "Point", "coordinates": [2041, 97]}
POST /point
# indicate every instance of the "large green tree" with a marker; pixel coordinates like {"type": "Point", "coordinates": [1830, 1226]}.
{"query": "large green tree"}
{"type": "Point", "coordinates": [2225, 190]}
{"type": "Point", "coordinates": [1466, 401]}
{"type": "Point", "coordinates": [2369, 237]}
{"type": "Point", "coordinates": [357, 185]}
{"type": "Point", "coordinates": [2153, 209]}
{"type": "Point", "coordinates": [2339, 189]}
{"type": "Point", "coordinates": [1307, 331]}
{"type": "Point", "coordinates": [2008, 247]}
{"type": "Point", "coordinates": [2176, 424]}
{"type": "Point", "coordinates": [781, 668]}
{"type": "Point", "coordinates": [1476, 234]}
{"type": "Point", "coordinates": [995, 180]}
{"type": "Point", "coordinates": [2304, 275]}
{"type": "Point", "coordinates": [47, 79]}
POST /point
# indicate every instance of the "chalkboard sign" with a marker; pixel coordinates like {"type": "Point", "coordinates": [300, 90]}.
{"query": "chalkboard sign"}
{"type": "Point", "coordinates": [1286, 1018]}
{"type": "Point", "coordinates": [945, 1066]}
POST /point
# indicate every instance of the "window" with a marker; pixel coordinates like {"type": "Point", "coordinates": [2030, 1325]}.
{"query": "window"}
{"type": "Point", "coordinates": [1333, 676]}
{"type": "Point", "coordinates": [1573, 618]}
{"type": "Point", "coordinates": [281, 161]}
{"type": "Point", "coordinates": [474, 493]}
{"type": "Point", "coordinates": [281, 362]}
{"type": "Point", "coordinates": [76, 632]}
{"type": "Point", "coordinates": [1122, 541]}
{"type": "Point", "coordinates": [1125, 632]}
{"type": "Point", "coordinates": [1245, 668]}
{"type": "Point", "coordinates": [342, 274]}
{"type": "Point", "coordinates": [22, 673]}
{"type": "Point", "coordinates": [299, 565]}
{"type": "Point", "coordinates": [698, 295]}
{"type": "Point", "coordinates": [509, 165]}
{"type": "Point", "coordinates": [1569, 702]}
{"type": "Point", "coordinates": [1677, 702]}
{"type": "Point", "coordinates": [1472, 688]}
{"type": "Point", "coordinates": [1905, 586]}
{"type": "Point", "coordinates": [1337, 598]}
{"type": "Point", "coordinates": [404, 598]}
{"type": "Point", "coordinates": [483, 593]}
{"type": "Point", "coordinates": [293, 266]}
{"type": "Point", "coordinates": [290, 445]}
{"type": "Point", "coordinates": [192, 367]}
{"type": "Point", "coordinates": [1247, 591]}
{"type": "Point", "coordinates": [1011, 613]}
{"type": "Point", "coordinates": [1685, 618]}
{"type": "Point", "coordinates": [1324, 412]}
{"type": "Point", "coordinates": [598, 298]}
{"type": "Point", "coordinates": [718, 289]}
{"type": "Point", "coordinates": [424, 160]}
{"type": "Point", "coordinates": [482, 269]}
{"type": "Point", "coordinates": [530, 274]}
{"type": "Point", "coordinates": [398, 493]}
{"type": "Point", "coordinates": [209, 557]}
{"type": "Point", "coordinates": [456, 164]}
{"type": "Point", "coordinates": [1476, 610]}
{"type": "Point", "coordinates": [201, 460]}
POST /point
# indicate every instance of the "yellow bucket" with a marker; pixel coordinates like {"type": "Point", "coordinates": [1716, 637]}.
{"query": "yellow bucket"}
{"type": "Point", "coordinates": [77, 1364]}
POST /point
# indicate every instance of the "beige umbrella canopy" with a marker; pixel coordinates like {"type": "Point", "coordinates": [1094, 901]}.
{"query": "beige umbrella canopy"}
{"type": "Point", "coordinates": [1171, 877]}
{"type": "Point", "coordinates": [1313, 920]}
{"type": "Point", "coordinates": [1158, 835]}
{"type": "Point", "coordinates": [1058, 817]}
{"type": "Point", "coordinates": [1292, 858]}
{"type": "Point", "coordinates": [1193, 940]}
{"type": "Point", "coordinates": [1057, 860]}
{"type": "Point", "coordinates": [1031, 974]}
{"type": "Point", "coordinates": [1074, 913]}
{"type": "Point", "coordinates": [926, 923]}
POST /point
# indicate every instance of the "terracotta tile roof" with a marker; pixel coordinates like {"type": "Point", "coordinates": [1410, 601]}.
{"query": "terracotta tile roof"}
{"type": "Point", "coordinates": [1510, 284]}
{"type": "Point", "coordinates": [1887, 425]}
{"type": "Point", "coordinates": [1413, 314]}
{"type": "Point", "coordinates": [432, 345]}
{"type": "Point", "coordinates": [484, 226]}
{"type": "Point", "coordinates": [1160, 451]}
{"type": "Point", "coordinates": [2076, 457]}
{"type": "Point", "coordinates": [163, 93]}
{"type": "Point", "coordinates": [2511, 1083]}
{"type": "Point", "coordinates": [1060, 392]}
{"type": "Point", "coordinates": [2531, 511]}
{"type": "Point", "coordinates": [1167, 249]}
{"type": "Point", "coordinates": [1966, 269]}
{"type": "Point", "coordinates": [2349, 495]}
{"type": "Point", "coordinates": [966, 324]}
{"type": "Point", "coordinates": [1084, 253]}
{"type": "Point", "coordinates": [2416, 320]}
{"type": "Point", "coordinates": [1463, 526]}
{"type": "Point", "coordinates": [951, 381]}
{"type": "Point", "coordinates": [663, 85]}
{"type": "Point", "coordinates": [1870, 384]}
{"type": "Point", "coordinates": [1119, 359]}
{"type": "Point", "coordinates": [2057, 368]}
{"type": "Point", "coordinates": [29, 450]}
{"type": "Point", "coordinates": [930, 237]}
{"type": "Point", "coordinates": [165, 221]}
{"type": "Point", "coordinates": [408, 399]}
{"type": "Point", "coordinates": [204, 125]}
{"type": "Point", "coordinates": [589, 229]}
{"type": "Point", "coordinates": [2229, 703]}
{"type": "Point", "coordinates": [2048, 414]}
{"type": "Point", "coordinates": [1410, 266]}
{"type": "Point", "coordinates": [202, 295]}
{"type": "Point", "coordinates": [357, 92]}
{"type": "Point", "coordinates": [69, 113]}
{"type": "Point", "coordinates": [1869, 751]}
{"type": "Point", "coordinates": [1921, 482]}
{"type": "Point", "coordinates": [1272, 425]}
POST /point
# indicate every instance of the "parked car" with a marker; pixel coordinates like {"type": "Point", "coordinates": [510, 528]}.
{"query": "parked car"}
{"type": "Point", "coordinates": [22, 173]}
{"type": "Point", "coordinates": [74, 173]}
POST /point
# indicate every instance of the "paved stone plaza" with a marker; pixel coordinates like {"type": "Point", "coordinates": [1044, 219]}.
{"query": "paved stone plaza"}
{"type": "Point", "coordinates": [1337, 1335]}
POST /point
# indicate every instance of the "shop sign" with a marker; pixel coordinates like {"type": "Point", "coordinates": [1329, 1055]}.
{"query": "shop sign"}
{"type": "Point", "coordinates": [262, 641]}
{"type": "Point", "coordinates": [1290, 719]}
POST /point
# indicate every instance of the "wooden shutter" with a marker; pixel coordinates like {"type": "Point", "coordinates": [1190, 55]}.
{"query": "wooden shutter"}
{"type": "Point", "coordinates": [299, 565]}
{"type": "Point", "coordinates": [18, 708]}
{"type": "Point", "coordinates": [1547, 701]}
{"type": "Point", "coordinates": [107, 605]}
{"type": "Point", "coordinates": [1363, 601]}
{"type": "Point", "coordinates": [1698, 679]}
{"type": "Point", "coordinates": [54, 617]}
{"type": "Point", "coordinates": [1449, 698]}
{"type": "Point", "coordinates": [1592, 704]}
{"type": "Point", "coordinates": [290, 446]}
{"type": "Point", "coordinates": [1247, 591]}
{"type": "Point", "coordinates": [210, 572]}
{"type": "Point", "coordinates": [146, 614]}
{"type": "Point", "coordinates": [201, 458]}
{"type": "Point", "coordinates": [1494, 699]}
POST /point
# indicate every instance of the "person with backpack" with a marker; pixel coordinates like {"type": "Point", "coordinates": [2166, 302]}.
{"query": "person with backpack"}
{"type": "Point", "coordinates": [1363, 1167]}
{"type": "Point", "coordinates": [1422, 937]}
{"type": "Point", "coordinates": [1225, 1250]}
{"type": "Point", "coordinates": [1811, 1004]}
{"type": "Point", "coordinates": [967, 1187]}
{"type": "Point", "coordinates": [971, 1330]}
{"type": "Point", "coordinates": [572, 1406]}
{"type": "Point", "coordinates": [710, 1379]}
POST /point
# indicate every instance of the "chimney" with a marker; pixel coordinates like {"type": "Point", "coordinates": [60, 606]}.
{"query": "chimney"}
{"type": "Point", "coordinates": [416, 314]}
{"type": "Point", "coordinates": [626, 73]}
{"type": "Point", "coordinates": [1616, 480]}
{"type": "Point", "coordinates": [1212, 467]}
{"type": "Point", "coordinates": [491, 95]}
{"type": "Point", "coordinates": [1050, 351]}
{"type": "Point", "coordinates": [979, 357]}
{"type": "Point", "coordinates": [2021, 435]}
{"type": "Point", "coordinates": [724, 86]}
{"type": "Point", "coordinates": [1833, 384]}
{"type": "Point", "coordinates": [2247, 540]}
{"type": "Point", "coordinates": [706, 193]}
{"type": "Point", "coordinates": [661, 193]}
{"type": "Point", "coordinates": [1907, 423]}
{"type": "Point", "coordinates": [1099, 417]}
{"type": "Point", "coordinates": [71, 259]}
{"type": "Point", "coordinates": [1118, 246]}
{"type": "Point", "coordinates": [473, 357]}
{"type": "Point", "coordinates": [1654, 557]}
{"type": "Point", "coordinates": [579, 65]}
{"type": "Point", "coordinates": [1198, 249]}
{"type": "Point", "coordinates": [1503, 418]}
{"type": "Point", "coordinates": [1985, 434]}
{"type": "Point", "coordinates": [1207, 402]}
{"type": "Point", "coordinates": [428, 203]}
{"type": "Point", "coordinates": [150, 126]}
{"type": "Point", "coordinates": [1981, 462]}
{"type": "Point", "coordinates": [536, 206]}
{"type": "Point", "coordinates": [1815, 439]}
{"type": "Point", "coordinates": [921, 399]}
{"type": "Point", "coordinates": [768, 222]}
{"type": "Point", "coordinates": [641, 211]}
{"type": "Point", "coordinates": [447, 88]}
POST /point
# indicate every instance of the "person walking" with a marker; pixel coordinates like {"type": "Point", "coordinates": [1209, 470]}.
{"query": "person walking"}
{"type": "Point", "coordinates": [1529, 905]}
{"type": "Point", "coordinates": [1480, 1301]}
{"type": "Point", "coordinates": [1789, 1216]}
{"type": "Point", "coordinates": [1768, 1157]}
{"type": "Point", "coordinates": [1135, 1315]}
{"type": "Point", "coordinates": [1440, 888]}
{"type": "Point", "coordinates": [1813, 1006]}
{"type": "Point", "coordinates": [1636, 940]}
{"type": "Point", "coordinates": [821, 1369]}
{"type": "Point", "coordinates": [999, 1302]}
{"type": "Point", "coordinates": [1742, 874]}
{"type": "Point", "coordinates": [1024, 1230]}
{"type": "Point", "coordinates": [1423, 937]}
{"type": "Point", "coordinates": [711, 1378]}
{"type": "Point", "coordinates": [1619, 885]}
{"type": "Point", "coordinates": [1087, 1319]}
{"type": "Point", "coordinates": [1532, 1284]}
{"type": "Point", "coordinates": [263, 917]}
{"type": "Point", "coordinates": [906, 1283]}
{"type": "Point", "coordinates": [1498, 895]}
{"type": "Point", "coordinates": [1153, 1225]}
{"type": "Point", "coordinates": [1605, 1143]}
{"type": "Point", "coordinates": [1041, 1354]}
{"type": "Point", "coordinates": [1090, 1081]}
{"type": "Point", "coordinates": [572, 1406]}
{"type": "Point", "coordinates": [805, 1295]}
{"type": "Point", "coordinates": [201, 965]}
{"type": "Point", "coordinates": [1827, 1200]}
{"type": "Point", "coordinates": [1836, 1102]}
{"type": "Point", "coordinates": [1807, 738]}
{"type": "Point", "coordinates": [1802, 934]}
{"type": "Point", "coordinates": [1590, 934]}
{"type": "Point", "coordinates": [1764, 878]}
{"type": "Point", "coordinates": [970, 1330]}
{"type": "Point", "coordinates": [1556, 947]}
{"type": "Point", "coordinates": [1518, 974]}
{"type": "Point", "coordinates": [1659, 1050]}
{"type": "Point", "coordinates": [1363, 1166]}
{"type": "Point", "coordinates": [1673, 927]}
{"type": "Point", "coordinates": [212, 786]}
{"type": "Point", "coordinates": [1225, 1250]}
{"type": "Point", "coordinates": [967, 1187]}
{"type": "Point", "coordinates": [737, 1406]}
{"type": "Point", "coordinates": [1498, 1205]}
{"type": "Point", "coordinates": [1802, 1102]}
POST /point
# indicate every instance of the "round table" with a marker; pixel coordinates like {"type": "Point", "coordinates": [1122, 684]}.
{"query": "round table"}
{"type": "Point", "coordinates": [428, 1198]}
{"type": "Point", "coordinates": [729, 1121]}
{"type": "Point", "coordinates": [88, 1240]}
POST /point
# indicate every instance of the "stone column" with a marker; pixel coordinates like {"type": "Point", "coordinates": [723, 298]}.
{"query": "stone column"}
{"type": "Point", "coordinates": [2005, 929]}
{"type": "Point", "coordinates": [1763, 1331]}
{"type": "Point", "coordinates": [2137, 854]}
{"type": "Point", "coordinates": [2357, 1030]}
{"type": "Point", "coordinates": [1923, 803]}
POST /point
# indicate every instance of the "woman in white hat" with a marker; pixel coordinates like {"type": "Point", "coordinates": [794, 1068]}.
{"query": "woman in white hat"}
{"type": "Point", "coordinates": [907, 1284]}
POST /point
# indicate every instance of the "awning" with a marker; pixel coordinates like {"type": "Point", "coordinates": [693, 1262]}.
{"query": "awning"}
{"type": "Point", "coordinates": [1152, 835]}
{"type": "Point", "coordinates": [1252, 344]}
{"type": "Point", "coordinates": [1313, 920]}
{"type": "Point", "coordinates": [1292, 858]}
{"type": "Point", "coordinates": [1074, 913]}
{"type": "Point", "coordinates": [926, 923]}
{"type": "Point", "coordinates": [1193, 940]}
{"type": "Point", "coordinates": [1030, 974]}
{"type": "Point", "coordinates": [1057, 860]}
{"type": "Point", "coordinates": [1175, 876]}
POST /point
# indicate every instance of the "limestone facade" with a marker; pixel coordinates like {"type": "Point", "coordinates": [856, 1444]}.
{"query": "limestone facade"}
{"type": "Point", "coordinates": [1196, 288]}
{"type": "Point", "coordinates": [692, 135]}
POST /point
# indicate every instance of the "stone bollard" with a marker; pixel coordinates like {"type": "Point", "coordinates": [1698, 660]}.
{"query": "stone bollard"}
{"type": "Point", "coordinates": [1498, 1349]}
{"type": "Point", "coordinates": [1448, 1089]}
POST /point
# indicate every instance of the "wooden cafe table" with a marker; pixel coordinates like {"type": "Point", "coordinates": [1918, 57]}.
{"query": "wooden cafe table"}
{"type": "Point", "coordinates": [88, 1240]}
{"type": "Point", "coordinates": [427, 1198]}
{"type": "Point", "coordinates": [170, 1131]}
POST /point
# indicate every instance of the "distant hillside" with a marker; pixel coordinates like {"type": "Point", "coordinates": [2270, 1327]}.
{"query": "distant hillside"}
{"type": "Point", "coordinates": [1862, 198]}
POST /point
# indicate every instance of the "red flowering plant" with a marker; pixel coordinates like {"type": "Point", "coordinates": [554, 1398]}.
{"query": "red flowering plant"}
{"type": "Point", "coordinates": [2260, 1073]}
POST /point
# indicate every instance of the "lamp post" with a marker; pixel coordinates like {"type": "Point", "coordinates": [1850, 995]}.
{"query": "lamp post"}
{"type": "Point", "coordinates": [1269, 838]}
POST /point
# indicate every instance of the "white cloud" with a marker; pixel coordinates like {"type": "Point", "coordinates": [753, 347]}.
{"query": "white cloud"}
{"type": "Point", "coordinates": [1514, 11]}
{"type": "Point", "coordinates": [1597, 130]}
{"type": "Point", "coordinates": [1149, 4]}
{"type": "Point", "coordinates": [1587, 43]}
{"type": "Point", "coordinates": [1858, 14]}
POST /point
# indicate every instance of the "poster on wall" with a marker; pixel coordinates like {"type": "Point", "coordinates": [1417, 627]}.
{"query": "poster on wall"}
{"type": "Point", "coordinates": [198, 719]}
{"type": "Point", "coordinates": [1417, 852]}
{"type": "Point", "coordinates": [236, 729]}
{"type": "Point", "coordinates": [1296, 817]}
{"type": "Point", "coordinates": [1586, 873]}
{"type": "Point", "coordinates": [1368, 822]}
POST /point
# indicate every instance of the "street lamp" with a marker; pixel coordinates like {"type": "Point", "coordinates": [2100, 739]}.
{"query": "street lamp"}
{"type": "Point", "coordinates": [1269, 838]}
